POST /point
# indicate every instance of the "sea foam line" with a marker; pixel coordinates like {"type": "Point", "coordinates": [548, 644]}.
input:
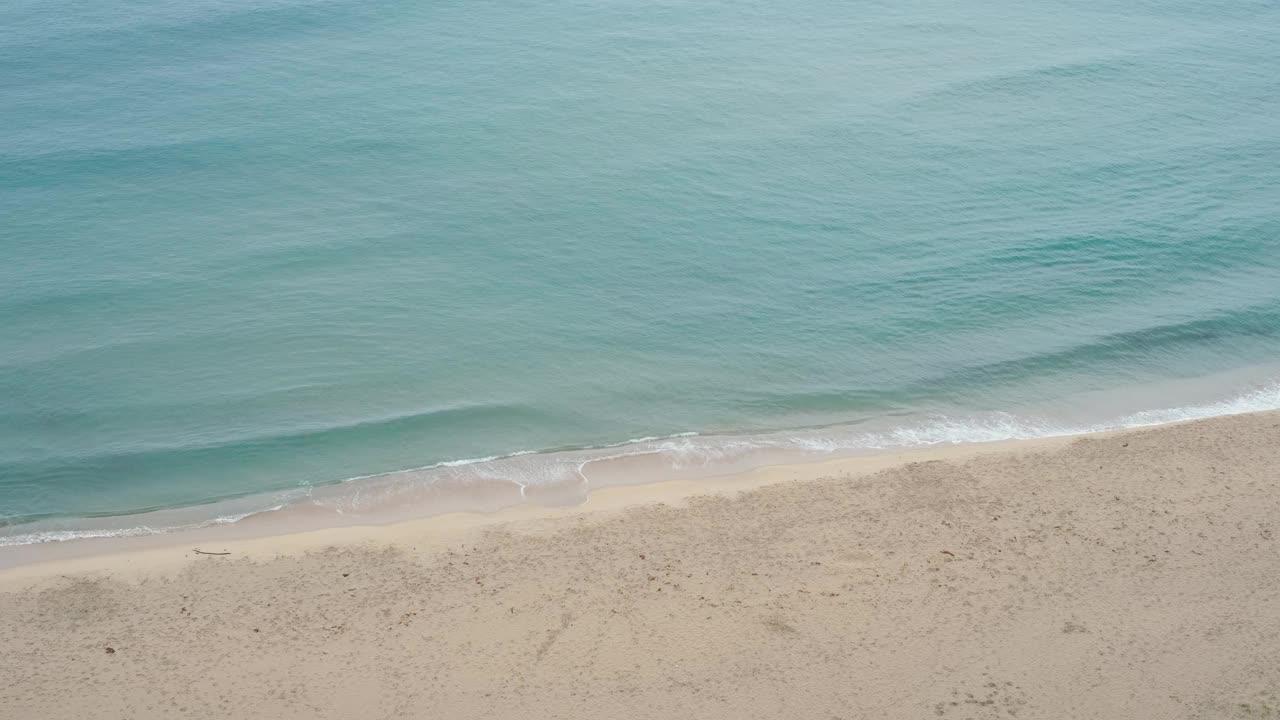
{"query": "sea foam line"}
{"type": "Point", "coordinates": [138, 531]}
{"type": "Point", "coordinates": [1005, 426]}
{"type": "Point", "coordinates": [463, 462]}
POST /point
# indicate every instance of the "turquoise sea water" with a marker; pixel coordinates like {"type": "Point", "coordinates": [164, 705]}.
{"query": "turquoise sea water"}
{"type": "Point", "coordinates": [257, 246]}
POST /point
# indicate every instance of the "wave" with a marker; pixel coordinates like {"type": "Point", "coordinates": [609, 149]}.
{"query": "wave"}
{"type": "Point", "coordinates": [493, 482]}
{"type": "Point", "coordinates": [1224, 329]}
{"type": "Point", "coordinates": [298, 437]}
{"type": "Point", "coordinates": [1033, 81]}
{"type": "Point", "coordinates": [46, 536]}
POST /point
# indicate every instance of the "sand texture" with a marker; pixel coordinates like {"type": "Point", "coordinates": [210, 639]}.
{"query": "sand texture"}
{"type": "Point", "coordinates": [1134, 575]}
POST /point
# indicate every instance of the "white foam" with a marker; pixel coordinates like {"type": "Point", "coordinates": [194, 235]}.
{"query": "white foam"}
{"type": "Point", "coordinates": [63, 535]}
{"type": "Point", "coordinates": [1266, 397]}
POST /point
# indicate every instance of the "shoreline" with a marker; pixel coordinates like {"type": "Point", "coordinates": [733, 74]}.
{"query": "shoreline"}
{"type": "Point", "coordinates": [1128, 574]}
{"type": "Point", "coordinates": [267, 535]}
{"type": "Point", "coordinates": [492, 485]}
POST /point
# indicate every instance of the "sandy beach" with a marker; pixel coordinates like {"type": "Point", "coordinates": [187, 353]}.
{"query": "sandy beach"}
{"type": "Point", "coordinates": [1132, 575]}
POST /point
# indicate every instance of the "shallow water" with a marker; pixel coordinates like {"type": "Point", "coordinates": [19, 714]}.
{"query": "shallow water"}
{"type": "Point", "coordinates": [262, 247]}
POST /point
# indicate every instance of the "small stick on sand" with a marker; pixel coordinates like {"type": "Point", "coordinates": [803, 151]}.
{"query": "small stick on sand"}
{"type": "Point", "coordinates": [198, 551]}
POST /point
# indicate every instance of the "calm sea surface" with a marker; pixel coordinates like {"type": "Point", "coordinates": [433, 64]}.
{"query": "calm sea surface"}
{"type": "Point", "coordinates": [257, 246]}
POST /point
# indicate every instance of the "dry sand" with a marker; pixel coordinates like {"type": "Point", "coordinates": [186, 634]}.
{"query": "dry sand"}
{"type": "Point", "coordinates": [1134, 575]}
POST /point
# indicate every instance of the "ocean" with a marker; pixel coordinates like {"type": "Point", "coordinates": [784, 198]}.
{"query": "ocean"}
{"type": "Point", "coordinates": [261, 254]}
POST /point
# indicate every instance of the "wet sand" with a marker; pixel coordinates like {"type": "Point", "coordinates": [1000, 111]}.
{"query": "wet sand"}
{"type": "Point", "coordinates": [1132, 575]}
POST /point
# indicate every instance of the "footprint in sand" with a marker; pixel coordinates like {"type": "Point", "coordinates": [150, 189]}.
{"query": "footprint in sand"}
{"type": "Point", "coordinates": [855, 558]}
